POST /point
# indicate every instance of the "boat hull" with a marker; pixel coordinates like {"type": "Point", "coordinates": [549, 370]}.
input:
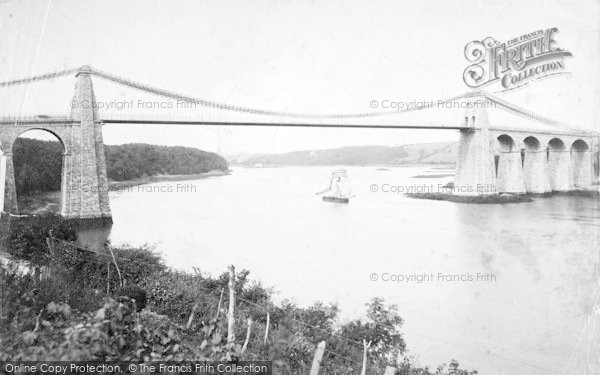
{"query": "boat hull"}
{"type": "Point", "coordinates": [336, 199]}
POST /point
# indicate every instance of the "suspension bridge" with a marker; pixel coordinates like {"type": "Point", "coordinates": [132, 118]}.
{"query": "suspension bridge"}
{"type": "Point", "coordinates": [503, 148]}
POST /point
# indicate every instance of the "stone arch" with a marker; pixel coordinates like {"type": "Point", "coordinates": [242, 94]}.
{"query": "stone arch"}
{"type": "Point", "coordinates": [533, 159]}
{"type": "Point", "coordinates": [580, 146]}
{"type": "Point", "coordinates": [50, 134]}
{"type": "Point", "coordinates": [50, 131]}
{"type": "Point", "coordinates": [505, 143]}
{"type": "Point", "coordinates": [555, 145]}
{"type": "Point", "coordinates": [531, 143]}
{"type": "Point", "coordinates": [509, 167]}
{"type": "Point", "coordinates": [558, 165]}
{"type": "Point", "coordinates": [581, 163]}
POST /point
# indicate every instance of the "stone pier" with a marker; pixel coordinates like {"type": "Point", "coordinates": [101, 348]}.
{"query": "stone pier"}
{"type": "Point", "coordinates": [509, 175]}
{"type": "Point", "coordinates": [534, 167]}
{"type": "Point", "coordinates": [85, 189]}
{"type": "Point", "coordinates": [475, 164]}
{"type": "Point", "coordinates": [558, 167]}
{"type": "Point", "coordinates": [581, 164]}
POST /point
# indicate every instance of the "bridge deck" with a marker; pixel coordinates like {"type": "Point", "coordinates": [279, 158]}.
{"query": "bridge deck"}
{"type": "Point", "coordinates": [56, 120]}
{"type": "Point", "coordinates": [289, 124]}
{"type": "Point", "coordinates": [50, 120]}
{"type": "Point", "coordinates": [39, 120]}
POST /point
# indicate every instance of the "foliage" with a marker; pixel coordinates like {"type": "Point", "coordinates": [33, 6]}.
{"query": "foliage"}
{"type": "Point", "coordinates": [113, 332]}
{"type": "Point", "coordinates": [353, 155]}
{"type": "Point", "coordinates": [410, 367]}
{"type": "Point", "coordinates": [27, 237]}
{"type": "Point", "coordinates": [126, 162]}
{"type": "Point", "coordinates": [38, 163]}
{"type": "Point", "coordinates": [64, 308]}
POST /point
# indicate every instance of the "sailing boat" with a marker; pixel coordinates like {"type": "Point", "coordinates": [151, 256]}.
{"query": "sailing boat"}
{"type": "Point", "coordinates": [339, 189]}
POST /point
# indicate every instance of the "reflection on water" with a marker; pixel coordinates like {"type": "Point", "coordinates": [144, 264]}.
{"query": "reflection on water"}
{"type": "Point", "coordinates": [535, 317]}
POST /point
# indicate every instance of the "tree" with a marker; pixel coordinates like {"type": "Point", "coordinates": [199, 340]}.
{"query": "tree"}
{"type": "Point", "coordinates": [382, 328]}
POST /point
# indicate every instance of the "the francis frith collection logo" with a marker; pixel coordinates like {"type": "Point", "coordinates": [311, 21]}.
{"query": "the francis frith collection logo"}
{"type": "Point", "coordinates": [514, 63]}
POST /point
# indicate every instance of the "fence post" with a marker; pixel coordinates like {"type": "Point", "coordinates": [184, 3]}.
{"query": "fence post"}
{"type": "Point", "coordinates": [219, 305]}
{"type": "Point", "coordinates": [50, 244]}
{"type": "Point", "coordinates": [364, 363]}
{"type": "Point", "coordinates": [317, 358]}
{"type": "Point", "coordinates": [108, 276]}
{"type": "Point", "coordinates": [191, 318]}
{"type": "Point", "coordinates": [116, 266]}
{"type": "Point", "coordinates": [230, 313]}
{"type": "Point", "coordinates": [52, 251]}
{"type": "Point", "coordinates": [248, 332]}
{"type": "Point", "coordinates": [267, 327]}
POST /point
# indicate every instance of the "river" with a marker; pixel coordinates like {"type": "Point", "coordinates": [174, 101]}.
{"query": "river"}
{"type": "Point", "coordinates": [505, 289]}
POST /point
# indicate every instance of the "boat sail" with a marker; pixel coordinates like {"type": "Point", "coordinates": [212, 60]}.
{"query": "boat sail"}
{"type": "Point", "coordinates": [339, 189]}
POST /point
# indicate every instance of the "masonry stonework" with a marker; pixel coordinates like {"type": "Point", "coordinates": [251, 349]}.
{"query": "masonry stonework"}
{"type": "Point", "coordinates": [84, 185]}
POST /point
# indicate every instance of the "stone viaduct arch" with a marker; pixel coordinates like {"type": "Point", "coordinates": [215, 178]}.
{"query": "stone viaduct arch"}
{"type": "Point", "coordinates": [581, 163]}
{"type": "Point", "coordinates": [509, 173]}
{"type": "Point", "coordinates": [522, 161]}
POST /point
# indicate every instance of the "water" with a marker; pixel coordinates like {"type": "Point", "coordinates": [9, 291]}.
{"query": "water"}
{"type": "Point", "coordinates": [534, 316]}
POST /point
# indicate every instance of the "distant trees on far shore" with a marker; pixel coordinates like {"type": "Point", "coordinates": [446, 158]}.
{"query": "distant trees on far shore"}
{"type": "Point", "coordinates": [38, 163]}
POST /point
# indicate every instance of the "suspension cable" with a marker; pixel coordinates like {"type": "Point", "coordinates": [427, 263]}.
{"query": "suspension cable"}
{"type": "Point", "coordinates": [227, 107]}
{"type": "Point", "coordinates": [37, 78]}
{"type": "Point", "coordinates": [256, 111]}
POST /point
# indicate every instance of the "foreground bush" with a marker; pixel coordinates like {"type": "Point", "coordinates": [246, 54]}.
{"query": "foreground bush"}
{"type": "Point", "coordinates": [27, 237]}
{"type": "Point", "coordinates": [65, 308]}
{"type": "Point", "coordinates": [113, 332]}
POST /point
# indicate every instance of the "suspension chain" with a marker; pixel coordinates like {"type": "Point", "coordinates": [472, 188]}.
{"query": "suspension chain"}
{"type": "Point", "coordinates": [521, 111]}
{"type": "Point", "coordinates": [210, 104]}
{"type": "Point", "coordinates": [227, 107]}
{"type": "Point", "coordinates": [39, 78]}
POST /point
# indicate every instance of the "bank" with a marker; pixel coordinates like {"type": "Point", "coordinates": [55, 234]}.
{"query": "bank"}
{"type": "Point", "coordinates": [48, 202]}
{"type": "Point", "coordinates": [501, 198]}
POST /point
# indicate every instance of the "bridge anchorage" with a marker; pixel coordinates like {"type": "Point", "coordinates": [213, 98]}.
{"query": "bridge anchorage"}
{"type": "Point", "coordinates": [538, 156]}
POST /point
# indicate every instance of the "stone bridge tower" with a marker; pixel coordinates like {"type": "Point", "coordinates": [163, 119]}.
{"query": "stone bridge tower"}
{"type": "Point", "coordinates": [475, 165]}
{"type": "Point", "coordinates": [84, 186]}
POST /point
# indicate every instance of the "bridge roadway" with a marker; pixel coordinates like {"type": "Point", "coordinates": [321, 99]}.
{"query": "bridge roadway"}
{"type": "Point", "coordinates": [107, 119]}
{"type": "Point", "coordinates": [112, 119]}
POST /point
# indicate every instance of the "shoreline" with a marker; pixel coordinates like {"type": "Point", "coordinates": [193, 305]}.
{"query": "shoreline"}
{"type": "Point", "coordinates": [502, 198]}
{"type": "Point", "coordinates": [49, 202]}
{"type": "Point", "coordinates": [439, 166]}
{"type": "Point", "coordinates": [118, 185]}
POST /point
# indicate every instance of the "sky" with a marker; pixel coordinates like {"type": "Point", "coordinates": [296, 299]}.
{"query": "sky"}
{"type": "Point", "coordinates": [298, 56]}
